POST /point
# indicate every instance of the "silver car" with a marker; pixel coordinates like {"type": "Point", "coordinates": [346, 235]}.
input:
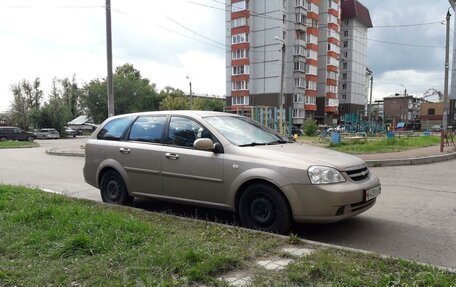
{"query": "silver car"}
{"type": "Point", "coordinates": [228, 162]}
{"type": "Point", "coordinates": [47, 133]}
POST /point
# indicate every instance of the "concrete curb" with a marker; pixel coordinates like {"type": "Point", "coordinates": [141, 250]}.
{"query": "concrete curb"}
{"type": "Point", "coordinates": [411, 161]}
{"type": "Point", "coordinates": [61, 152]}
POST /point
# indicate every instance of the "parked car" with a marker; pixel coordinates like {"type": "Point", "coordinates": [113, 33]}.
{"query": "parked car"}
{"type": "Point", "coordinates": [436, 128]}
{"type": "Point", "coordinates": [227, 162]}
{"type": "Point", "coordinates": [71, 132]}
{"type": "Point", "coordinates": [47, 133]}
{"type": "Point", "coordinates": [15, 133]}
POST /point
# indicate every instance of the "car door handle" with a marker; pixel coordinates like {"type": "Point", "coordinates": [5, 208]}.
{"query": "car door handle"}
{"type": "Point", "coordinates": [171, 155]}
{"type": "Point", "coordinates": [124, 150]}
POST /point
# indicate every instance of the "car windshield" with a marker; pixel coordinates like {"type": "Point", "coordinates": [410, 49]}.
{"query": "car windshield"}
{"type": "Point", "coordinates": [242, 131]}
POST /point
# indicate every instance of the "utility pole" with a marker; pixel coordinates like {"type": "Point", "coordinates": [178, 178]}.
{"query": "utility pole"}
{"type": "Point", "coordinates": [191, 95]}
{"type": "Point", "coordinates": [109, 59]}
{"type": "Point", "coordinates": [445, 91]}
{"type": "Point", "coordinates": [370, 97]}
{"type": "Point", "coordinates": [282, 78]}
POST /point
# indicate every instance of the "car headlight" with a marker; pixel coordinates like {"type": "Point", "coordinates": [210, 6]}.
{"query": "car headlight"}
{"type": "Point", "coordinates": [324, 175]}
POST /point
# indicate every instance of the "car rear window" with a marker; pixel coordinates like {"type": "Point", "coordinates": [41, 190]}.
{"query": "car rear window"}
{"type": "Point", "coordinates": [147, 129]}
{"type": "Point", "coordinates": [114, 129]}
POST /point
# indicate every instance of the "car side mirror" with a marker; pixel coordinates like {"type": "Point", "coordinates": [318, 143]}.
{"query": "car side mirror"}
{"type": "Point", "coordinates": [204, 144]}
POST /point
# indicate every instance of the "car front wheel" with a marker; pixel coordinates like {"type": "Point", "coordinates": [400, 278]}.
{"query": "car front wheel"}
{"type": "Point", "coordinates": [263, 207]}
{"type": "Point", "coordinates": [113, 189]}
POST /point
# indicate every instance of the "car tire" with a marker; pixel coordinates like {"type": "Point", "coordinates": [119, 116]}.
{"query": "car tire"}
{"type": "Point", "coordinates": [30, 139]}
{"type": "Point", "coordinates": [3, 139]}
{"type": "Point", "coordinates": [263, 207]}
{"type": "Point", "coordinates": [113, 189]}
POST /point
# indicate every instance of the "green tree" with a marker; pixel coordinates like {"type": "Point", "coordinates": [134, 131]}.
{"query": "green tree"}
{"type": "Point", "coordinates": [132, 93]}
{"type": "Point", "coordinates": [208, 104]}
{"type": "Point", "coordinates": [173, 99]}
{"type": "Point", "coordinates": [310, 127]}
{"type": "Point", "coordinates": [71, 95]}
{"type": "Point", "coordinates": [27, 97]}
{"type": "Point", "coordinates": [56, 112]}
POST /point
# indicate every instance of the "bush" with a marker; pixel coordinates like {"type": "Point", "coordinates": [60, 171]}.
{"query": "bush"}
{"type": "Point", "coordinates": [310, 127]}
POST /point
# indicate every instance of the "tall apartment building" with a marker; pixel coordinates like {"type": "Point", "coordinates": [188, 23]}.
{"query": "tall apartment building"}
{"type": "Point", "coordinates": [257, 30]}
{"type": "Point", "coordinates": [354, 75]}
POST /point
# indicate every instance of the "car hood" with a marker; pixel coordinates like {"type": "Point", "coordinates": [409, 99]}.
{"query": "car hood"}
{"type": "Point", "coordinates": [304, 155]}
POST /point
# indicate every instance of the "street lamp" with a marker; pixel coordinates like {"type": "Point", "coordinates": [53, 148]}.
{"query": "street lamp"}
{"type": "Point", "coordinates": [190, 97]}
{"type": "Point", "coordinates": [280, 102]}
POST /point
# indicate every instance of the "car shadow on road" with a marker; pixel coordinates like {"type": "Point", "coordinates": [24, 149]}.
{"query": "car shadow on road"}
{"type": "Point", "coordinates": [187, 211]}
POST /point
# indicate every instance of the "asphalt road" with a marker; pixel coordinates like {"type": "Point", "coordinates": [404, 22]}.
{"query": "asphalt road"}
{"type": "Point", "coordinates": [414, 218]}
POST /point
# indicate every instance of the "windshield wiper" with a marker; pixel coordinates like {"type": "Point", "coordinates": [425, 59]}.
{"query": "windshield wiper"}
{"type": "Point", "coordinates": [252, 144]}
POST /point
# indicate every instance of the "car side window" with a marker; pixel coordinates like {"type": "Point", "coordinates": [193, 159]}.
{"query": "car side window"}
{"type": "Point", "coordinates": [114, 129]}
{"type": "Point", "coordinates": [147, 129]}
{"type": "Point", "coordinates": [183, 132]}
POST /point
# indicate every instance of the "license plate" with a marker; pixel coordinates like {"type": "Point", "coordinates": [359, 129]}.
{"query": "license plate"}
{"type": "Point", "coordinates": [373, 192]}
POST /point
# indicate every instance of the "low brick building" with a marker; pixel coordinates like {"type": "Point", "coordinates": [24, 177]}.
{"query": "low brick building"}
{"type": "Point", "coordinates": [431, 115]}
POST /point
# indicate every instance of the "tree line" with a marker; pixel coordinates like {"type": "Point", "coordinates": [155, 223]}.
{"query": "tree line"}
{"type": "Point", "coordinates": [67, 100]}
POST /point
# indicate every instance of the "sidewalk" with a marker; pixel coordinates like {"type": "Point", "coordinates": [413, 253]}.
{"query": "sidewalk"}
{"type": "Point", "coordinates": [409, 157]}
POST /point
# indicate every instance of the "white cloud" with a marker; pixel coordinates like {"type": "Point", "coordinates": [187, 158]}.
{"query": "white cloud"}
{"type": "Point", "coordinates": [416, 82]}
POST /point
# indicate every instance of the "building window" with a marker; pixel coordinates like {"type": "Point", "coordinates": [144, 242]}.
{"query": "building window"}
{"type": "Point", "coordinates": [345, 33]}
{"type": "Point", "coordinates": [239, 22]}
{"type": "Point", "coordinates": [299, 50]}
{"type": "Point", "coordinates": [299, 113]}
{"type": "Point", "coordinates": [345, 54]}
{"type": "Point", "coordinates": [240, 85]}
{"type": "Point", "coordinates": [284, 18]}
{"type": "Point", "coordinates": [311, 100]}
{"type": "Point", "coordinates": [239, 6]}
{"type": "Point", "coordinates": [332, 19]}
{"type": "Point", "coordinates": [240, 54]}
{"type": "Point", "coordinates": [431, 112]}
{"type": "Point", "coordinates": [298, 98]}
{"type": "Point", "coordinates": [344, 97]}
{"type": "Point", "coordinates": [240, 38]}
{"type": "Point", "coordinates": [300, 35]}
{"type": "Point", "coordinates": [240, 101]}
{"type": "Point", "coordinates": [344, 76]}
{"type": "Point", "coordinates": [344, 86]}
{"type": "Point", "coordinates": [312, 39]}
{"type": "Point", "coordinates": [346, 22]}
{"type": "Point", "coordinates": [284, 35]}
{"type": "Point", "coordinates": [311, 54]}
{"type": "Point", "coordinates": [301, 18]}
{"type": "Point", "coordinates": [284, 3]}
{"type": "Point", "coordinates": [300, 3]}
{"type": "Point", "coordinates": [345, 44]}
{"type": "Point", "coordinates": [300, 82]}
{"type": "Point", "coordinates": [240, 70]}
{"type": "Point", "coordinates": [333, 75]}
{"type": "Point", "coordinates": [344, 65]}
{"type": "Point", "coordinates": [300, 66]}
{"type": "Point", "coordinates": [311, 70]}
{"type": "Point", "coordinates": [331, 89]}
{"type": "Point", "coordinates": [310, 85]}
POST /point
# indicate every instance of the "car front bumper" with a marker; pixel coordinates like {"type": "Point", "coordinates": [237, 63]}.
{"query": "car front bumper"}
{"type": "Point", "coordinates": [330, 202]}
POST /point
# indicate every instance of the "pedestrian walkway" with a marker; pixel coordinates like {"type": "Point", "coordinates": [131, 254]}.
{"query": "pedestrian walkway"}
{"type": "Point", "coordinates": [409, 157]}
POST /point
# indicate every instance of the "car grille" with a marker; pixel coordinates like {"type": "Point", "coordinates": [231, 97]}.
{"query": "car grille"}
{"type": "Point", "coordinates": [358, 174]}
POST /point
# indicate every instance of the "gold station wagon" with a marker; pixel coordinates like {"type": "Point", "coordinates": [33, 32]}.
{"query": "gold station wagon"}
{"type": "Point", "coordinates": [228, 162]}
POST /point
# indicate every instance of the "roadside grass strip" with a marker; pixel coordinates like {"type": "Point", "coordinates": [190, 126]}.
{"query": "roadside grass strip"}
{"type": "Point", "coordinates": [51, 240]}
{"type": "Point", "coordinates": [17, 144]}
{"type": "Point", "coordinates": [385, 145]}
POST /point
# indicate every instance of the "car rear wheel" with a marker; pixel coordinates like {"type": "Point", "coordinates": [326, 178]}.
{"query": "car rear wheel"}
{"type": "Point", "coordinates": [30, 139]}
{"type": "Point", "coordinates": [263, 207]}
{"type": "Point", "coordinates": [113, 189]}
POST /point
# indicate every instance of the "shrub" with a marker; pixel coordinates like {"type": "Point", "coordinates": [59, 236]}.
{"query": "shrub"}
{"type": "Point", "coordinates": [310, 127]}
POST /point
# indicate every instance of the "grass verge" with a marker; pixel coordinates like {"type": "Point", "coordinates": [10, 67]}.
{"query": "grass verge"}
{"type": "Point", "coordinates": [17, 144]}
{"type": "Point", "coordinates": [51, 240]}
{"type": "Point", "coordinates": [385, 145]}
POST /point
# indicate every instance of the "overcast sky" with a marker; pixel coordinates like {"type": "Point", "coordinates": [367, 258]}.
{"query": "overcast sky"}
{"type": "Point", "coordinates": [59, 38]}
